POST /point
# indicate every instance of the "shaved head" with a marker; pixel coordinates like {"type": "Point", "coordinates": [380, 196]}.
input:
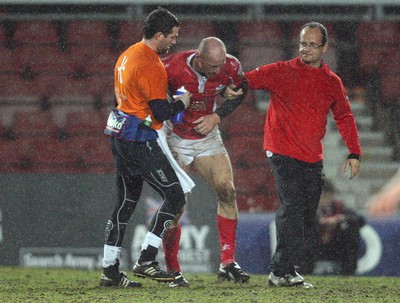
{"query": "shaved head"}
{"type": "Point", "coordinates": [212, 56]}
{"type": "Point", "coordinates": [212, 49]}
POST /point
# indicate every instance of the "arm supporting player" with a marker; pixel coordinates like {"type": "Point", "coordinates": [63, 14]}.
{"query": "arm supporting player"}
{"type": "Point", "coordinates": [230, 105]}
{"type": "Point", "coordinates": [163, 110]}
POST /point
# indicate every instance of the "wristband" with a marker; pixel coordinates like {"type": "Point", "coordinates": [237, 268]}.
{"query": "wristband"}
{"type": "Point", "coordinates": [354, 156]}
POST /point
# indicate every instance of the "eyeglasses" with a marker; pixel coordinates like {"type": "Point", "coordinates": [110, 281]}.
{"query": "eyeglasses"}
{"type": "Point", "coordinates": [311, 45]}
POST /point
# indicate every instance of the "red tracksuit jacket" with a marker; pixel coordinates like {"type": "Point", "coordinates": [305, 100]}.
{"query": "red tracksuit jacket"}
{"type": "Point", "coordinates": [301, 97]}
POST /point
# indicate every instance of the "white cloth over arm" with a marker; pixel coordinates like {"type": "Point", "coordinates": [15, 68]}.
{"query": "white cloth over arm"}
{"type": "Point", "coordinates": [186, 182]}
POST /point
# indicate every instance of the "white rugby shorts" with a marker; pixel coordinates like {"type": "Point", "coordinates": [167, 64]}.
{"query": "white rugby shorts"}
{"type": "Point", "coordinates": [185, 150]}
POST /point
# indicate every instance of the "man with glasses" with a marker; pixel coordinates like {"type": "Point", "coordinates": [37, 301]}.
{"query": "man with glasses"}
{"type": "Point", "coordinates": [302, 91]}
{"type": "Point", "coordinates": [196, 143]}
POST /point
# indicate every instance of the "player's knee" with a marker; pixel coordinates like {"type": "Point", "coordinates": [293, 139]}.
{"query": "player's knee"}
{"type": "Point", "coordinates": [226, 193]}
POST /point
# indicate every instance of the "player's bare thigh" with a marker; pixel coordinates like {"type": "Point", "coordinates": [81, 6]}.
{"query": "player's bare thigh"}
{"type": "Point", "coordinates": [215, 169]}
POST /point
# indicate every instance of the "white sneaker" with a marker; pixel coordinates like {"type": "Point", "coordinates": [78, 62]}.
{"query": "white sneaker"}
{"type": "Point", "coordinates": [288, 280]}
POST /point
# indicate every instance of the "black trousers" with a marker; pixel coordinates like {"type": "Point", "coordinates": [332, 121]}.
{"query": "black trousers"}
{"type": "Point", "coordinates": [136, 163]}
{"type": "Point", "coordinates": [299, 187]}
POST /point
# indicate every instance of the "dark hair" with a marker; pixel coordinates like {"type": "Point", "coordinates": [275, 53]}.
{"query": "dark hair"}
{"type": "Point", "coordinates": [318, 25]}
{"type": "Point", "coordinates": [159, 20]}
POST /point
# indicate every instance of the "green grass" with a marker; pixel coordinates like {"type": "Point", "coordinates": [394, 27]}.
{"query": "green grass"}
{"type": "Point", "coordinates": [80, 286]}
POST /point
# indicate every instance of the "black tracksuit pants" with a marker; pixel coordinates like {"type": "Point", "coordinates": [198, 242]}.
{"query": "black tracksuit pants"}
{"type": "Point", "coordinates": [299, 187]}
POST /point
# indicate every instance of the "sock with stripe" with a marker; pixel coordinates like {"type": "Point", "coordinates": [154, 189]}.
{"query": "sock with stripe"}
{"type": "Point", "coordinates": [170, 244]}
{"type": "Point", "coordinates": [227, 238]}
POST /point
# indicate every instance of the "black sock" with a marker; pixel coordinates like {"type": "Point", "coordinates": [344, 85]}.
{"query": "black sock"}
{"type": "Point", "coordinates": [149, 254]}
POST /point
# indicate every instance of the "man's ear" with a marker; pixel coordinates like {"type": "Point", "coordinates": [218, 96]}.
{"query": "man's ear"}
{"type": "Point", "coordinates": [325, 48]}
{"type": "Point", "coordinates": [158, 36]}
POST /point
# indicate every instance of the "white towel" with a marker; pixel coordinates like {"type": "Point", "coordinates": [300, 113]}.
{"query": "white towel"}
{"type": "Point", "coordinates": [186, 182]}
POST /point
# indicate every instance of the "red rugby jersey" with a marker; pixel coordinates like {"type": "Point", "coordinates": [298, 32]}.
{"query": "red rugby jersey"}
{"type": "Point", "coordinates": [204, 91]}
{"type": "Point", "coordinates": [301, 97]}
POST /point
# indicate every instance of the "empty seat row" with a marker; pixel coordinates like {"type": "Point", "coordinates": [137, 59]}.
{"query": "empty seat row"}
{"type": "Point", "coordinates": [90, 154]}
{"type": "Point", "coordinates": [50, 60]}
{"type": "Point", "coordinates": [255, 187]}
{"type": "Point", "coordinates": [51, 124]}
{"type": "Point", "coordinates": [56, 85]}
{"type": "Point", "coordinates": [259, 43]}
{"type": "Point", "coordinates": [378, 46]}
{"type": "Point", "coordinates": [92, 32]}
{"type": "Point", "coordinates": [43, 32]}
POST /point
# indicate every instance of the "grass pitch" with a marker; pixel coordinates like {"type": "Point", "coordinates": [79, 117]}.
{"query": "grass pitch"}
{"type": "Point", "coordinates": [80, 286]}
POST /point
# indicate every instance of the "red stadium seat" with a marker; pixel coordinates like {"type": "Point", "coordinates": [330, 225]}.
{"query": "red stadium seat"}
{"type": "Point", "coordinates": [245, 120]}
{"type": "Point", "coordinates": [191, 33]}
{"type": "Point", "coordinates": [377, 42]}
{"type": "Point", "coordinates": [246, 151]}
{"type": "Point", "coordinates": [49, 156]}
{"type": "Point", "coordinates": [86, 123]}
{"type": "Point", "coordinates": [130, 33]}
{"type": "Point", "coordinates": [252, 57]}
{"type": "Point", "coordinates": [46, 85]}
{"type": "Point", "coordinates": [34, 124]}
{"type": "Point", "coordinates": [35, 32]}
{"type": "Point", "coordinates": [97, 156]}
{"type": "Point", "coordinates": [371, 59]}
{"type": "Point", "coordinates": [43, 59]}
{"type": "Point", "coordinates": [14, 85]}
{"type": "Point", "coordinates": [260, 33]}
{"type": "Point", "coordinates": [3, 129]}
{"type": "Point", "coordinates": [69, 87]}
{"type": "Point", "coordinates": [387, 65]}
{"type": "Point", "coordinates": [91, 59]}
{"type": "Point", "coordinates": [3, 36]}
{"type": "Point", "coordinates": [390, 89]}
{"type": "Point", "coordinates": [12, 156]}
{"type": "Point", "coordinates": [7, 61]}
{"type": "Point", "coordinates": [62, 105]}
{"type": "Point", "coordinates": [382, 32]}
{"type": "Point", "coordinates": [15, 104]}
{"type": "Point", "coordinates": [260, 43]}
{"type": "Point", "coordinates": [86, 32]}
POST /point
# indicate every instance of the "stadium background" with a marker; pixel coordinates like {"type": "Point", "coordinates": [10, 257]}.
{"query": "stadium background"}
{"type": "Point", "coordinates": [56, 171]}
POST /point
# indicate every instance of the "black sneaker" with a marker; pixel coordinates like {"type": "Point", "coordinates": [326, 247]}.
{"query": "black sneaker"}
{"type": "Point", "coordinates": [288, 280]}
{"type": "Point", "coordinates": [232, 271]}
{"type": "Point", "coordinates": [152, 271]}
{"type": "Point", "coordinates": [111, 276]}
{"type": "Point", "coordinates": [179, 281]}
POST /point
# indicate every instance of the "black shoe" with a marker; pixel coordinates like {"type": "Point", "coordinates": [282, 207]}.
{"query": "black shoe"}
{"type": "Point", "coordinates": [232, 271]}
{"type": "Point", "coordinates": [111, 276]}
{"type": "Point", "coordinates": [288, 280]}
{"type": "Point", "coordinates": [152, 271]}
{"type": "Point", "coordinates": [179, 281]}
